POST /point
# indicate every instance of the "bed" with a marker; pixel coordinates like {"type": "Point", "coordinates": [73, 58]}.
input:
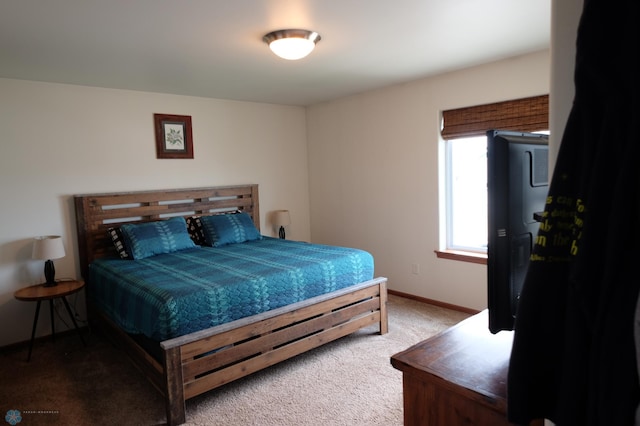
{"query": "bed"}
{"type": "Point", "coordinates": [221, 343]}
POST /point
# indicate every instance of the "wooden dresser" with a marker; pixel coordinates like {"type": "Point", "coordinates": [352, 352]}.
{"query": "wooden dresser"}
{"type": "Point", "coordinates": [458, 377]}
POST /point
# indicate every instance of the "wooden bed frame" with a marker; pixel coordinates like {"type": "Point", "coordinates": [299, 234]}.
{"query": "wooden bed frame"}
{"type": "Point", "coordinates": [204, 360]}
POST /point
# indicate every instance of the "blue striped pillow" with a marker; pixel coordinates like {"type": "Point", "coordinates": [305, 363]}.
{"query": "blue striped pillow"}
{"type": "Point", "coordinates": [152, 238]}
{"type": "Point", "coordinates": [222, 229]}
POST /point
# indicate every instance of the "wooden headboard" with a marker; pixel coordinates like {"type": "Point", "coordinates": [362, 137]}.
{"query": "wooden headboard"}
{"type": "Point", "coordinates": [95, 213]}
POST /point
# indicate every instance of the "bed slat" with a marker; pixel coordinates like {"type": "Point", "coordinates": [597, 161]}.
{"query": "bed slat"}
{"type": "Point", "coordinates": [229, 354]}
{"type": "Point", "coordinates": [276, 355]}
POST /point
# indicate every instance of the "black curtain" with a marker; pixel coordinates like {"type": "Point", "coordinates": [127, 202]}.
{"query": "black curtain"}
{"type": "Point", "coordinates": [573, 359]}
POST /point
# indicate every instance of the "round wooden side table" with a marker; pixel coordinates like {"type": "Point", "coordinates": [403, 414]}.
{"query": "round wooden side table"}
{"type": "Point", "coordinates": [38, 293]}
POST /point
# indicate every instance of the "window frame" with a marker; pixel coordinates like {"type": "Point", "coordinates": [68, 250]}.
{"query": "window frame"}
{"type": "Point", "coordinates": [526, 114]}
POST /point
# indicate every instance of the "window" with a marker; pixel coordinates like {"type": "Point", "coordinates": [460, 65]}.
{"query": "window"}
{"type": "Point", "coordinates": [464, 132]}
{"type": "Point", "coordinates": [466, 193]}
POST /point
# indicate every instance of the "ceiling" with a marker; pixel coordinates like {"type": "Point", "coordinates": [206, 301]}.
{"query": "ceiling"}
{"type": "Point", "coordinates": [214, 48]}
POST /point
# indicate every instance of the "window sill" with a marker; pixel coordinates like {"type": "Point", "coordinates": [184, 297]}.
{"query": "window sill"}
{"type": "Point", "coordinates": [462, 256]}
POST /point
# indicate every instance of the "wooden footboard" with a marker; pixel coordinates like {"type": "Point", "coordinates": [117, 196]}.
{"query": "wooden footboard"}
{"type": "Point", "coordinates": [211, 358]}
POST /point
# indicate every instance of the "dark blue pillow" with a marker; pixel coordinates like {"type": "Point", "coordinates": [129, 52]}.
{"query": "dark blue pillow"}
{"type": "Point", "coordinates": [152, 238]}
{"type": "Point", "coordinates": [222, 229]}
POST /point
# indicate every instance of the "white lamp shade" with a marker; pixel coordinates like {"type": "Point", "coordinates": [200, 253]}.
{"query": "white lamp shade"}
{"type": "Point", "coordinates": [281, 218]}
{"type": "Point", "coordinates": [48, 247]}
{"type": "Point", "coordinates": [292, 44]}
{"type": "Point", "coordinates": [292, 48]}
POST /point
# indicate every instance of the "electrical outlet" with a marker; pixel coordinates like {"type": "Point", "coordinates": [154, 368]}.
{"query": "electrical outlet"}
{"type": "Point", "coordinates": [415, 269]}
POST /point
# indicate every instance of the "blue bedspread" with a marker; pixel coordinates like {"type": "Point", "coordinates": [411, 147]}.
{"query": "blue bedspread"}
{"type": "Point", "coordinates": [173, 294]}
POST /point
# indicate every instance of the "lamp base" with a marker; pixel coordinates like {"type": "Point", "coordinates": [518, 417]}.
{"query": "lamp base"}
{"type": "Point", "coordinates": [281, 233]}
{"type": "Point", "coordinates": [50, 274]}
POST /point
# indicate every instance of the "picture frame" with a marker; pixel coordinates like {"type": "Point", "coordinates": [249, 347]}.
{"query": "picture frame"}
{"type": "Point", "coordinates": [173, 136]}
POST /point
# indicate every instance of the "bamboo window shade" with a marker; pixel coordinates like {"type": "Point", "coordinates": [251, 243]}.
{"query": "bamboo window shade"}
{"type": "Point", "coordinates": [527, 115]}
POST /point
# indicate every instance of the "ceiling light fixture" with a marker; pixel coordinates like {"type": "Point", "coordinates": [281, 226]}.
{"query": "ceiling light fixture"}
{"type": "Point", "coordinates": [292, 44]}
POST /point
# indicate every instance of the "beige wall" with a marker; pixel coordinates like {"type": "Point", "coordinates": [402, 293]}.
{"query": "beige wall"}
{"type": "Point", "coordinates": [374, 173]}
{"type": "Point", "coordinates": [565, 17]}
{"type": "Point", "coordinates": [59, 140]}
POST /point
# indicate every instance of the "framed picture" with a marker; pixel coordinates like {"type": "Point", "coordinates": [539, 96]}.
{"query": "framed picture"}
{"type": "Point", "coordinates": [173, 136]}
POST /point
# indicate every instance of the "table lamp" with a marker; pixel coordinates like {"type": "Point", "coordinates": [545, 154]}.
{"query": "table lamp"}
{"type": "Point", "coordinates": [46, 248]}
{"type": "Point", "coordinates": [281, 219]}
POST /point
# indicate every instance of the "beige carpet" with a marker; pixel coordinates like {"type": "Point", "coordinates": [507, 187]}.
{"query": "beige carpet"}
{"type": "Point", "coordinates": [347, 382]}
